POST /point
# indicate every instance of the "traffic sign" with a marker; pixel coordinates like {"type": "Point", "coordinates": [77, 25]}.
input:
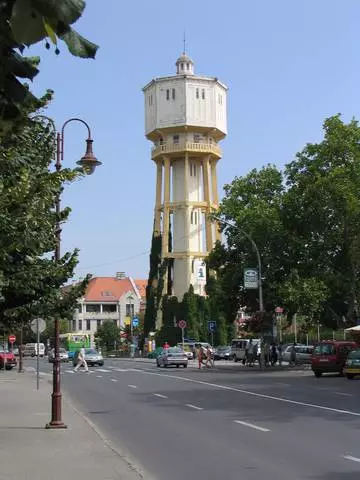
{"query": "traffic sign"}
{"type": "Point", "coordinates": [251, 278]}
{"type": "Point", "coordinates": [135, 322]}
{"type": "Point", "coordinates": [182, 324]}
{"type": "Point", "coordinates": [12, 338]}
{"type": "Point", "coordinates": [38, 321]}
{"type": "Point", "coordinates": [212, 326]}
{"type": "Point", "coordinates": [279, 310]}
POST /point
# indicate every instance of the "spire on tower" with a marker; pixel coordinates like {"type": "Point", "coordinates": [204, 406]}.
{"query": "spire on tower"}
{"type": "Point", "coordinates": [184, 41]}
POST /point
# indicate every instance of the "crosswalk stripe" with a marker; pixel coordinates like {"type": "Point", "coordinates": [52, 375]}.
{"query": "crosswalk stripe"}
{"type": "Point", "coordinates": [103, 370]}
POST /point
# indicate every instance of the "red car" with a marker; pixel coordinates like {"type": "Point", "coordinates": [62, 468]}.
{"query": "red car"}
{"type": "Point", "coordinates": [7, 359]}
{"type": "Point", "coordinates": [330, 356]}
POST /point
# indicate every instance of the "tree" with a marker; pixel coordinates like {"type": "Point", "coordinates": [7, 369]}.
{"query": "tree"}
{"type": "Point", "coordinates": [30, 280]}
{"type": "Point", "coordinates": [107, 334]}
{"type": "Point", "coordinates": [24, 23]}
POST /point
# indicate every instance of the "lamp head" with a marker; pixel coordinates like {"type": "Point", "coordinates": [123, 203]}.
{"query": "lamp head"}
{"type": "Point", "coordinates": [89, 162]}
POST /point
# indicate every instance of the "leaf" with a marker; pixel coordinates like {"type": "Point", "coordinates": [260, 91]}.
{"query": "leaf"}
{"type": "Point", "coordinates": [78, 45]}
{"type": "Point", "coordinates": [50, 32]}
{"type": "Point", "coordinates": [65, 11]}
{"type": "Point", "coordinates": [26, 23]}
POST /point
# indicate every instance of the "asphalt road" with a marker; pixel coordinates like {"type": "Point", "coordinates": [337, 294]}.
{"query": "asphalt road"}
{"type": "Point", "coordinates": [229, 424]}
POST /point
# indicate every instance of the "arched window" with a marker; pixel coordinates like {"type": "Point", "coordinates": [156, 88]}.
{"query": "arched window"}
{"type": "Point", "coordinates": [193, 266]}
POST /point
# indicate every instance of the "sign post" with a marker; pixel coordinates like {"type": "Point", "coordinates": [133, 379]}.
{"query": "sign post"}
{"type": "Point", "coordinates": [38, 325]}
{"type": "Point", "coordinates": [182, 324]}
{"type": "Point", "coordinates": [279, 313]}
{"type": "Point", "coordinates": [212, 329]}
{"type": "Point", "coordinates": [12, 340]}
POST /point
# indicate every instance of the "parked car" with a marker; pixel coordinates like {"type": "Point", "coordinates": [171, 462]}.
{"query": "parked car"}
{"type": "Point", "coordinates": [92, 357]}
{"type": "Point", "coordinates": [188, 349]}
{"type": "Point", "coordinates": [30, 350]}
{"type": "Point", "coordinates": [352, 364]}
{"type": "Point", "coordinates": [330, 356]}
{"type": "Point", "coordinates": [238, 347]}
{"type": "Point", "coordinates": [303, 353]}
{"type": "Point", "coordinates": [222, 353]}
{"type": "Point", "coordinates": [64, 357]}
{"type": "Point", "coordinates": [7, 359]}
{"type": "Point", "coordinates": [172, 356]}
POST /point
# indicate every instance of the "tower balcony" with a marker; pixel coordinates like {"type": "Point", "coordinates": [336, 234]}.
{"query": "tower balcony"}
{"type": "Point", "coordinates": [186, 147]}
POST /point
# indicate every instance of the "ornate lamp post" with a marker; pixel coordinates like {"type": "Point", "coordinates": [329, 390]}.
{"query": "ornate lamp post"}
{"type": "Point", "coordinates": [88, 162]}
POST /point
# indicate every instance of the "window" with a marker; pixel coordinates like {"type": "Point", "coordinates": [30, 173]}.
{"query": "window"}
{"type": "Point", "coordinates": [109, 308]}
{"type": "Point", "coordinates": [197, 93]}
{"type": "Point", "coordinates": [115, 321]}
{"type": "Point", "coordinates": [182, 66]}
{"type": "Point", "coordinates": [194, 169]}
{"type": "Point", "coordinates": [106, 294]}
{"type": "Point", "coordinates": [98, 324]}
{"type": "Point", "coordinates": [192, 266]}
{"type": "Point", "coordinates": [191, 170]}
{"type": "Point", "coordinates": [203, 94]}
{"type": "Point", "coordinates": [88, 324]}
{"type": "Point", "coordinates": [129, 309]}
{"type": "Point", "coordinates": [80, 325]}
{"type": "Point", "coordinates": [196, 138]}
{"type": "Point", "coordinates": [74, 326]}
{"type": "Point", "coordinates": [192, 218]}
{"type": "Point", "coordinates": [220, 99]}
{"type": "Point", "coordinates": [188, 66]}
{"type": "Point", "coordinates": [176, 139]}
{"type": "Point", "coordinates": [167, 94]}
{"type": "Point", "coordinates": [161, 141]}
{"type": "Point", "coordinates": [195, 218]}
{"type": "Point", "coordinates": [93, 308]}
{"type": "Point", "coordinates": [173, 93]}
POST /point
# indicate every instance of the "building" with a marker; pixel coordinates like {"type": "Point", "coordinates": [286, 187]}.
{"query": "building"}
{"type": "Point", "coordinates": [185, 118]}
{"type": "Point", "coordinates": [108, 298]}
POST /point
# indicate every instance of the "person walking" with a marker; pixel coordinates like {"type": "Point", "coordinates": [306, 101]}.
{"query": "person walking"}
{"type": "Point", "coordinates": [208, 357]}
{"type": "Point", "coordinates": [280, 350]}
{"type": "Point", "coordinates": [249, 353]}
{"type": "Point", "coordinates": [81, 360]}
{"type": "Point", "coordinates": [293, 355]}
{"type": "Point", "coordinates": [200, 356]}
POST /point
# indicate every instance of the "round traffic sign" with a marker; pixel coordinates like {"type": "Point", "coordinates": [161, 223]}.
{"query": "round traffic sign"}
{"type": "Point", "coordinates": [38, 323]}
{"type": "Point", "coordinates": [182, 324]}
{"type": "Point", "coordinates": [12, 338]}
{"type": "Point", "coordinates": [279, 310]}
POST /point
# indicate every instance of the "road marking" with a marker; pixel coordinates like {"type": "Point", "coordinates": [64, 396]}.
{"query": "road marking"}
{"type": "Point", "coordinates": [343, 394]}
{"type": "Point", "coordinates": [99, 376]}
{"type": "Point", "coordinates": [113, 380]}
{"type": "Point", "coordinates": [121, 370]}
{"type": "Point", "coordinates": [282, 384]}
{"type": "Point", "coordinates": [69, 371]}
{"type": "Point", "coordinates": [193, 406]}
{"type": "Point", "coordinates": [251, 425]}
{"type": "Point", "coordinates": [103, 370]}
{"type": "Point", "coordinates": [256, 394]}
{"type": "Point", "coordinates": [159, 395]}
{"type": "Point", "coordinates": [132, 386]}
{"type": "Point", "coordinates": [353, 459]}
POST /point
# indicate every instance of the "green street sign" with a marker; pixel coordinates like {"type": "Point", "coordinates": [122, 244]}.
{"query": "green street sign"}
{"type": "Point", "coordinates": [251, 278]}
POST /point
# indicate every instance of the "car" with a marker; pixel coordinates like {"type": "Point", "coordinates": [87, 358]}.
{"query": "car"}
{"type": "Point", "coordinates": [330, 356]}
{"type": "Point", "coordinates": [7, 359]}
{"type": "Point", "coordinates": [172, 356]}
{"type": "Point", "coordinates": [303, 353]}
{"type": "Point", "coordinates": [239, 346]}
{"type": "Point", "coordinates": [92, 357]}
{"type": "Point", "coordinates": [352, 364]}
{"type": "Point", "coordinates": [222, 353]}
{"type": "Point", "coordinates": [64, 357]}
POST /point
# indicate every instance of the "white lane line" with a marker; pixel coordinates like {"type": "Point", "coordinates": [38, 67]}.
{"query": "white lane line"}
{"type": "Point", "coordinates": [353, 459]}
{"type": "Point", "coordinates": [113, 380]}
{"type": "Point", "coordinates": [69, 371]}
{"type": "Point", "coordinates": [159, 395]}
{"type": "Point", "coordinates": [102, 370]}
{"type": "Point", "coordinates": [343, 394]}
{"type": "Point", "coordinates": [251, 425]}
{"type": "Point", "coordinates": [256, 394]}
{"type": "Point", "coordinates": [132, 386]}
{"type": "Point", "coordinates": [99, 376]}
{"type": "Point", "coordinates": [121, 370]}
{"type": "Point", "coordinates": [193, 406]}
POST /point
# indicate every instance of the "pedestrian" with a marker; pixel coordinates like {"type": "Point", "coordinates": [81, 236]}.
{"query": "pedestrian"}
{"type": "Point", "coordinates": [274, 356]}
{"type": "Point", "coordinates": [200, 356]}
{"type": "Point", "coordinates": [293, 355]}
{"type": "Point", "coordinates": [280, 350]}
{"type": "Point", "coordinates": [81, 360]}
{"type": "Point", "coordinates": [249, 353]}
{"type": "Point", "coordinates": [267, 354]}
{"type": "Point", "coordinates": [166, 345]}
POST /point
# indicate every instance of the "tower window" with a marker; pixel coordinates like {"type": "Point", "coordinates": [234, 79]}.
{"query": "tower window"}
{"type": "Point", "coordinates": [197, 93]}
{"type": "Point", "coordinates": [192, 266]}
{"type": "Point", "coordinates": [182, 66]}
{"type": "Point", "coordinates": [220, 99]}
{"type": "Point", "coordinates": [196, 138]}
{"type": "Point", "coordinates": [190, 169]}
{"type": "Point", "coordinates": [192, 218]}
{"type": "Point", "coordinates": [194, 169]}
{"type": "Point", "coordinates": [167, 94]}
{"type": "Point", "coordinates": [203, 94]}
{"type": "Point", "coordinates": [188, 66]}
{"type": "Point", "coordinates": [173, 93]}
{"type": "Point", "coordinates": [176, 139]}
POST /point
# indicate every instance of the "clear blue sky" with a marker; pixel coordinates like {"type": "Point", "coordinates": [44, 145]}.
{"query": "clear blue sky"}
{"type": "Point", "coordinates": [288, 65]}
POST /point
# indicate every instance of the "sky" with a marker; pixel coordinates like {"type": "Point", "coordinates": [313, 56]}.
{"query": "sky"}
{"type": "Point", "coordinates": [288, 65]}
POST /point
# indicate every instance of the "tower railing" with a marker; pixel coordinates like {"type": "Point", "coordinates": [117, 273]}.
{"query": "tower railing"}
{"type": "Point", "coordinates": [191, 147]}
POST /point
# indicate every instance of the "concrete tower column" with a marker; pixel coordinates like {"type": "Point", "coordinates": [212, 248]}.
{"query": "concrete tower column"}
{"type": "Point", "coordinates": [159, 169]}
{"type": "Point", "coordinates": [206, 180]}
{"type": "Point", "coordinates": [166, 209]}
{"type": "Point", "coordinates": [215, 196]}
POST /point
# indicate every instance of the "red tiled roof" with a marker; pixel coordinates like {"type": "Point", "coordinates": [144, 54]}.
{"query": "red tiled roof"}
{"type": "Point", "coordinates": [107, 289]}
{"type": "Point", "coordinates": [141, 286]}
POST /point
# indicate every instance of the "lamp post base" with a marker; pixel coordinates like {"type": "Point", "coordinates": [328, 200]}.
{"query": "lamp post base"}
{"type": "Point", "coordinates": [55, 425]}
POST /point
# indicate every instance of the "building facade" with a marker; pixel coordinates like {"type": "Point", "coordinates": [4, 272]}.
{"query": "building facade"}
{"type": "Point", "coordinates": [108, 298]}
{"type": "Point", "coordinates": [185, 118]}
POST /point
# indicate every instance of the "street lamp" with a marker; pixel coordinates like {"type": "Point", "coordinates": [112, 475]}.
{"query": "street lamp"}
{"type": "Point", "coordinates": [88, 163]}
{"type": "Point", "coordinates": [229, 224]}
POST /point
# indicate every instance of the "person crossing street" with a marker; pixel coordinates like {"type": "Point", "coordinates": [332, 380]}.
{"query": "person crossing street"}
{"type": "Point", "coordinates": [81, 360]}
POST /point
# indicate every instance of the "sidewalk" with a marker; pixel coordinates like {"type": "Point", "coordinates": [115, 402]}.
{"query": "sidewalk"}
{"type": "Point", "coordinates": [30, 452]}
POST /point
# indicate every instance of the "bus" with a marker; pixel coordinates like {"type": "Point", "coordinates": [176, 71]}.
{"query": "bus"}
{"type": "Point", "coordinates": [74, 341]}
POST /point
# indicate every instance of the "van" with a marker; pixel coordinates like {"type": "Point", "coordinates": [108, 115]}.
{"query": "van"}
{"type": "Point", "coordinates": [329, 356]}
{"type": "Point", "coordinates": [30, 350]}
{"type": "Point", "coordinates": [238, 347]}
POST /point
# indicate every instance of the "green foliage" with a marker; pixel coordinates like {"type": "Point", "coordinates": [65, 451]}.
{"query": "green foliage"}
{"type": "Point", "coordinates": [30, 280]}
{"type": "Point", "coordinates": [49, 332]}
{"type": "Point", "coordinates": [26, 22]}
{"type": "Point", "coordinates": [107, 334]}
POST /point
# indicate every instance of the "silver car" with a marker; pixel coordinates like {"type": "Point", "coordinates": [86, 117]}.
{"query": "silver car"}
{"type": "Point", "coordinates": [92, 357]}
{"type": "Point", "coordinates": [303, 353]}
{"type": "Point", "coordinates": [172, 356]}
{"type": "Point", "coordinates": [64, 357]}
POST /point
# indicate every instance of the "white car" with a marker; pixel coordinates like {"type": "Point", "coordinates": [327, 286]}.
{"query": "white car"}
{"type": "Point", "coordinates": [63, 354]}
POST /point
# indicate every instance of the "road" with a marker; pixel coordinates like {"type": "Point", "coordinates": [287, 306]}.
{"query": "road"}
{"type": "Point", "coordinates": [231, 423]}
